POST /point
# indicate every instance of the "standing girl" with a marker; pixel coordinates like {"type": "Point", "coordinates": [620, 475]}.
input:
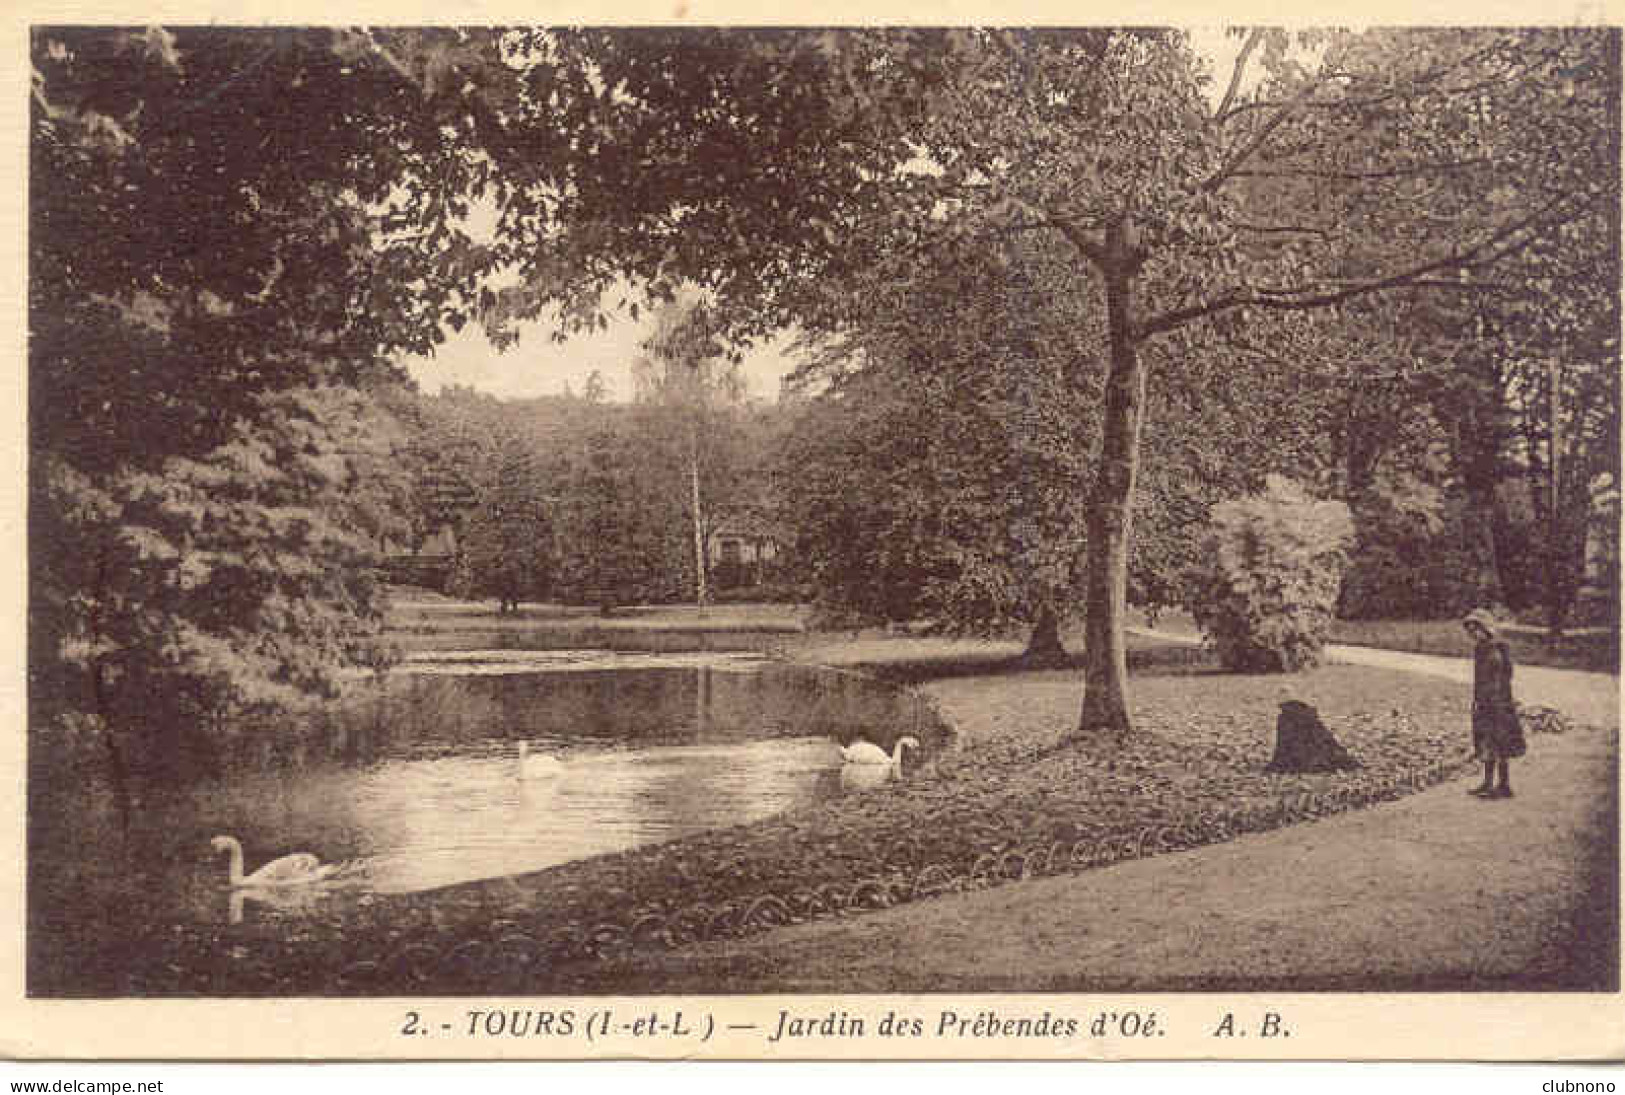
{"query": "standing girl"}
{"type": "Point", "coordinates": [1497, 734]}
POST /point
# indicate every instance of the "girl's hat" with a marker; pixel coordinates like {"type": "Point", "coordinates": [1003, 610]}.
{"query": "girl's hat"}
{"type": "Point", "coordinates": [1482, 618]}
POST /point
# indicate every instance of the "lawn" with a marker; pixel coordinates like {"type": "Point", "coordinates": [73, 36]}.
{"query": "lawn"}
{"type": "Point", "coordinates": [418, 621]}
{"type": "Point", "coordinates": [1592, 649]}
{"type": "Point", "coordinates": [424, 621]}
{"type": "Point", "coordinates": [1003, 802]}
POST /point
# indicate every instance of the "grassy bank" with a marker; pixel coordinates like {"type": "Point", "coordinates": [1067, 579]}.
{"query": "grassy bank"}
{"type": "Point", "coordinates": [419, 622]}
{"type": "Point", "coordinates": [1006, 803]}
{"type": "Point", "coordinates": [429, 622]}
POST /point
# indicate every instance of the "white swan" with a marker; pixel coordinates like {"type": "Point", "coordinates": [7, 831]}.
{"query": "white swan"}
{"type": "Point", "coordinates": [865, 777]}
{"type": "Point", "coordinates": [284, 899]}
{"type": "Point", "coordinates": [539, 766]}
{"type": "Point", "coordinates": [299, 869]}
{"type": "Point", "coordinates": [863, 752]}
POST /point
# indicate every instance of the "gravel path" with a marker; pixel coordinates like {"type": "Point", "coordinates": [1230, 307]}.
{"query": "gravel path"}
{"type": "Point", "coordinates": [1440, 891]}
{"type": "Point", "coordinates": [1585, 697]}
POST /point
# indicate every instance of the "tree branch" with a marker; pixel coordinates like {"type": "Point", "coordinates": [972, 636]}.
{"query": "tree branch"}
{"type": "Point", "coordinates": [1396, 92]}
{"type": "Point", "coordinates": [1231, 165]}
{"type": "Point", "coordinates": [1492, 248]}
{"type": "Point", "coordinates": [1305, 101]}
{"type": "Point", "coordinates": [1460, 286]}
{"type": "Point", "coordinates": [1254, 37]}
{"type": "Point", "coordinates": [1407, 172]}
{"type": "Point", "coordinates": [1079, 238]}
{"type": "Point", "coordinates": [1283, 229]}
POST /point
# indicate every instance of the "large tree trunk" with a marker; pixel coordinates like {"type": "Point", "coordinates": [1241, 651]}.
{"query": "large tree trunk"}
{"type": "Point", "coordinates": [1479, 529]}
{"type": "Point", "coordinates": [1559, 487]}
{"type": "Point", "coordinates": [1470, 404]}
{"type": "Point", "coordinates": [118, 770]}
{"type": "Point", "coordinates": [1479, 463]}
{"type": "Point", "coordinates": [1565, 534]}
{"type": "Point", "coordinates": [702, 592]}
{"type": "Point", "coordinates": [1364, 428]}
{"type": "Point", "coordinates": [1105, 672]}
{"type": "Point", "coordinates": [1044, 645]}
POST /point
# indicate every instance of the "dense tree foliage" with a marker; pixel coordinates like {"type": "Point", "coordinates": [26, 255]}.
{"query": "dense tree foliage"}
{"type": "Point", "coordinates": [575, 498]}
{"type": "Point", "coordinates": [507, 548]}
{"type": "Point", "coordinates": [623, 532]}
{"type": "Point", "coordinates": [209, 289]}
{"type": "Point", "coordinates": [204, 212]}
{"type": "Point", "coordinates": [687, 386]}
{"type": "Point", "coordinates": [287, 209]}
{"type": "Point", "coordinates": [938, 472]}
{"type": "Point", "coordinates": [1224, 410]}
{"type": "Point", "coordinates": [779, 168]}
{"type": "Point", "coordinates": [167, 601]}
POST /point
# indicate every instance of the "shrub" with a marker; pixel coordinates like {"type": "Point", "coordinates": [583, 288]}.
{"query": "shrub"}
{"type": "Point", "coordinates": [1266, 589]}
{"type": "Point", "coordinates": [780, 592]}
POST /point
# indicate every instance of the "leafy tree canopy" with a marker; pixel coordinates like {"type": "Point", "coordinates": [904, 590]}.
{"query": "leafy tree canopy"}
{"type": "Point", "coordinates": [216, 213]}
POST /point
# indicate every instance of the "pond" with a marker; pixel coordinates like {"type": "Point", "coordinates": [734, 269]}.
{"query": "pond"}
{"type": "Point", "coordinates": [416, 784]}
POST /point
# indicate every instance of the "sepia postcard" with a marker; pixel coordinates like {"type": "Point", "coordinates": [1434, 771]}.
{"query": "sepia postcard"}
{"type": "Point", "coordinates": [823, 534]}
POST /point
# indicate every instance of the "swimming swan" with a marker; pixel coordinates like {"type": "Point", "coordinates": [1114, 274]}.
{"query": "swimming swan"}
{"type": "Point", "coordinates": [299, 869]}
{"type": "Point", "coordinates": [866, 777]}
{"type": "Point", "coordinates": [284, 899]}
{"type": "Point", "coordinates": [862, 752]}
{"type": "Point", "coordinates": [539, 766]}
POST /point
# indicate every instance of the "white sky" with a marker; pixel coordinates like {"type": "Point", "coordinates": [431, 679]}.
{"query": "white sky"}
{"type": "Point", "coordinates": [538, 366]}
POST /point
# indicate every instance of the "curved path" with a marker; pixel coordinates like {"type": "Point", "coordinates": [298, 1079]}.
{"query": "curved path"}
{"type": "Point", "coordinates": [1436, 891]}
{"type": "Point", "coordinates": [1585, 697]}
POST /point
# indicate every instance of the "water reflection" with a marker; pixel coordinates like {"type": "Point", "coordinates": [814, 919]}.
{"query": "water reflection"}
{"type": "Point", "coordinates": [495, 663]}
{"type": "Point", "coordinates": [302, 901]}
{"type": "Point", "coordinates": [866, 777]}
{"type": "Point", "coordinates": [437, 822]}
{"type": "Point", "coordinates": [415, 782]}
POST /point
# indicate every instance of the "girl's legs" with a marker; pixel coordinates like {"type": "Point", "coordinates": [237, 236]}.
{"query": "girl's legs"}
{"type": "Point", "coordinates": [1505, 788]}
{"type": "Point", "coordinates": [1489, 779]}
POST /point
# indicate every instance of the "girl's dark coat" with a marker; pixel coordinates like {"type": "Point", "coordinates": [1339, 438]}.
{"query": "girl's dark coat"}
{"type": "Point", "coordinates": [1497, 733]}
